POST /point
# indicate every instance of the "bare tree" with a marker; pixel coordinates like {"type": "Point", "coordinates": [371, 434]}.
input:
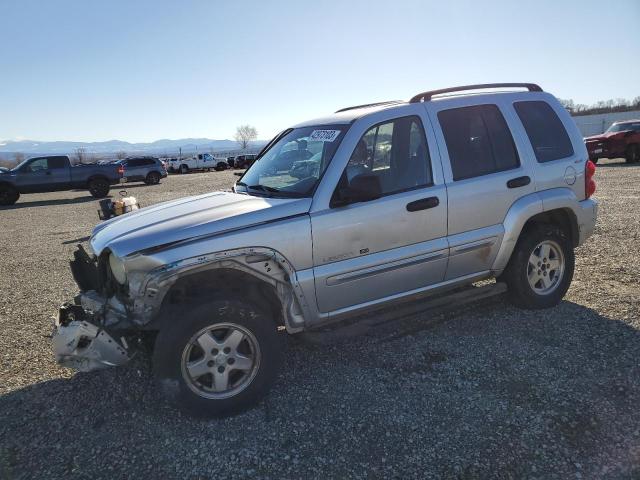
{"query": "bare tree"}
{"type": "Point", "coordinates": [121, 155]}
{"type": "Point", "coordinates": [80, 155]}
{"type": "Point", "coordinates": [244, 135]}
{"type": "Point", "coordinates": [18, 157]}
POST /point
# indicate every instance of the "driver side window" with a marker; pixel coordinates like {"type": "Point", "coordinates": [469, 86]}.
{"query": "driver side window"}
{"type": "Point", "coordinates": [396, 152]}
{"type": "Point", "coordinates": [38, 165]}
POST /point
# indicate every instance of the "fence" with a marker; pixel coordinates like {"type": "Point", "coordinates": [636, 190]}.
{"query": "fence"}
{"type": "Point", "coordinates": [596, 124]}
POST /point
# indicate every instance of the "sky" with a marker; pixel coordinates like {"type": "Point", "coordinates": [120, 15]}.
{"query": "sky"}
{"type": "Point", "coordinates": [144, 70]}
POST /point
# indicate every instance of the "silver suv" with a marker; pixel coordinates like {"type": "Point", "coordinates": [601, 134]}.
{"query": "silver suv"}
{"type": "Point", "coordinates": [389, 201]}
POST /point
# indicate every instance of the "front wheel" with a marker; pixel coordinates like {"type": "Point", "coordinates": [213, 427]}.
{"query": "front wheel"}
{"type": "Point", "coordinates": [8, 195]}
{"type": "Point", "coordinates": [541, 267]}
{"type": "Point", "coordinates": [217, 359]}
{"type": "Point", "coordinates": [99, 188]}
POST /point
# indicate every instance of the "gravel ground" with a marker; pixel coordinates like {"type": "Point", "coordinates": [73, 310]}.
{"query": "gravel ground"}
{"type": "Point", "coordinates": [489, 391]}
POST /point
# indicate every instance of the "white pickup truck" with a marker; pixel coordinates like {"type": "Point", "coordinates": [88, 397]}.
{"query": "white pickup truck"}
{"type": "Point", "coordinates": [201, 161]}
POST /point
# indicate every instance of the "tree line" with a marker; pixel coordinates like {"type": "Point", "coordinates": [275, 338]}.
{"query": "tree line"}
{"type": "Point", "coordinates": [602, 106]}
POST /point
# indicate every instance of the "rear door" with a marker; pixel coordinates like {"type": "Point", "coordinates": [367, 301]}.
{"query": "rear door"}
{"type": "Point", "coordinates": [134, 169]}
{"type": "Point", "coordinates": [59, 173]}
{"type": "Point", "coordinates": [485, 174]}
{"type": "Point", "coordinates": [369, 251]}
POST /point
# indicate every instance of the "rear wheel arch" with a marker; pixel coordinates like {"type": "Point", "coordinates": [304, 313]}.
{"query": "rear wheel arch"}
{"type": "Point", "coordinates": [563, 218]}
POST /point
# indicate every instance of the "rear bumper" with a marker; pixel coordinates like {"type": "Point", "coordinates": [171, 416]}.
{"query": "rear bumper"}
{"type": "Point", "coordinates": [587, 213]}
{"type": "Point", "coordinates": [79, 343]}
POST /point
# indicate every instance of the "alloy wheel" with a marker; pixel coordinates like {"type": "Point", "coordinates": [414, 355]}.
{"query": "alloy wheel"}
{"type": "Point", "coordinates": [220, 360]}
{"type": "Point", "coordinates": [545, 267]}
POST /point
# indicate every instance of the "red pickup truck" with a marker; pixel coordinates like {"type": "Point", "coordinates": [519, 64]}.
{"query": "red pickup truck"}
{"type": "Point", "coordinates": [622, 139]}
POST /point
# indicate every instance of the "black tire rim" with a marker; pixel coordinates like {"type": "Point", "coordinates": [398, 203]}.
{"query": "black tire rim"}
{"type": "Point", "coordinates": [98, 187]}
{"type": "Point", "coordinates": [5, 195]}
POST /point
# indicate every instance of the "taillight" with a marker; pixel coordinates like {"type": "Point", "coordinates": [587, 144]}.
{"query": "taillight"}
{"type": "Point", "coordinates": [589, 182]}
{"type": "Point", "coordinates": [121, 170]}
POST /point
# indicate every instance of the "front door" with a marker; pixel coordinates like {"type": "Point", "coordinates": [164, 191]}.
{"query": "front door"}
{"type": "Point", "coordinates": [44, 174]}
{"type": "Point", "coordinates": [369, 251]}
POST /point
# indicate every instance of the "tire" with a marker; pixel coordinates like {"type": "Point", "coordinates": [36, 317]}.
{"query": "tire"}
{"type": "Point", "coordinates": [8, 195]}
{"type": "Point", "coordinates": [153, 178]}
{"type": "Point", "coordinates": [180, 343]}
{"type": "Point", "coordinates": [545, 285]}
{"type": "Point", "coordinates": [184, 169]}
{"type": "Point", "coordinates": [633, 153]}
{"type": "Point", "coordinates": [98, 187]}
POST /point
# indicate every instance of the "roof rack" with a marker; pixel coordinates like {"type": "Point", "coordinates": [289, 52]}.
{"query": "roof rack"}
{"type": "Point", "coordinates": [426, 96]}
{"type": "Point", "coordinates": [389, 102]}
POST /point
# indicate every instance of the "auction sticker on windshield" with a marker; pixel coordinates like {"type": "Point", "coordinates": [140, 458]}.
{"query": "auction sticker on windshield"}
{"type": "Point", "coordinates": [324, 135]}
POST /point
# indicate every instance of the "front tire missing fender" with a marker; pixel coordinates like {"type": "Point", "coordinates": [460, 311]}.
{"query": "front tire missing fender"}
{"type": "Point", "coordinates": [541, 267]}
{"type": "Point", "coordinates": [218, 358]}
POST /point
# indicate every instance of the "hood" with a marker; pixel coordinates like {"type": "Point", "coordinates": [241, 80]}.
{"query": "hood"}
{"type": "Point", "coordinates": [603, 136]}
{"type": "Point", "coordinates": [190, 217]}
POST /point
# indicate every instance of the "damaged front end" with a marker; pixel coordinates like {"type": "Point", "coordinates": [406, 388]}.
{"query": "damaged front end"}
{"type": "Point", "coordinates": [82, 338]}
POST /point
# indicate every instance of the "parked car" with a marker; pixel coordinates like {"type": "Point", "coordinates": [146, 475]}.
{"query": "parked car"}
{"type": "Point", "coordinates": [306, 168]}
{"type": "Point", "coordinates": [4, 169]}
{"type": "Point", "coordinates": [201, 161]}
{"type": "Point", "coordinates": [143, 169]}
{"type": "Point", "coordinates": [55, 173]}
{"type": "Point", "coordinates": [409, 198]}
{"type": "Point", "coordinates": [244, 161]}
{"type": "Point", "coordinates": [621, 140]}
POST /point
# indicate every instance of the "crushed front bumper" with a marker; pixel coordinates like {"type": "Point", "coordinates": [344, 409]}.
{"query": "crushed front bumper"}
{"type": "Point", "coordinates": [80, 344]}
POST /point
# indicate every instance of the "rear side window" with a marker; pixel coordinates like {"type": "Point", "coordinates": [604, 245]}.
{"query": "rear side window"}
{"type": "Point", "coordinates": [546, 132]}
{"type": "Point", "coordinates": [57, 162]}
{"type": "Point", "coordinates": [478, 140]}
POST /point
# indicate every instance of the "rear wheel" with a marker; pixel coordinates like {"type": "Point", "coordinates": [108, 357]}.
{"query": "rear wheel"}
{"type": "Point", "coordinates": [99, 187]}
{"type": "Point", "coordinates": [633, 153]}
{"type": "Point", "coordinates": [184, 169]}
{"type": "Point", "coordinates": [8, 195]}
{"type": "Point", "coordinates": [217, 359]}
{"type": "Point", "coordinates": [541, 267]}
{"type": "Point", "coordinates": [153, 178]}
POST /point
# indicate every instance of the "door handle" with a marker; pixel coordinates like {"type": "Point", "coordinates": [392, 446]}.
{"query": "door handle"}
{"type": "Point", "coordinates": [518, 182]}
{"type": "Point", "coordinates": [423, 204]}
{"type": "Point", "coordinates": [48, 173]}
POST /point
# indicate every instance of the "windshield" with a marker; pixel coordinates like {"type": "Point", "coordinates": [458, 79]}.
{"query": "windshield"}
{"type": "Point", "coordinates": [621, 127]}
{"type": "Point", "coordinates": [294, 164]}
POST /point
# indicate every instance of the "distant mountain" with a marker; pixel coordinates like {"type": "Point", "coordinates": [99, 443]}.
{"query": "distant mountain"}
{"type": "Point", "coordinates": [159, 147]}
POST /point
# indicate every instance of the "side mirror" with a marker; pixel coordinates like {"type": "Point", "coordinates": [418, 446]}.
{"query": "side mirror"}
{"type": "Point", "coordinates": [362, 188]}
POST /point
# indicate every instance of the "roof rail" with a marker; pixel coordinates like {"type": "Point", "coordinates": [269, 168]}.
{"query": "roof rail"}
{"type": "Point", "coordinates": [389, 102]}
{"type": "Point", "coordinates": [426, 96]}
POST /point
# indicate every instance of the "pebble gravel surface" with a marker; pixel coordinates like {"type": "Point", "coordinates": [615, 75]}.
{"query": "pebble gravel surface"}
{"type": "Point", "coordinates": [488, 392]}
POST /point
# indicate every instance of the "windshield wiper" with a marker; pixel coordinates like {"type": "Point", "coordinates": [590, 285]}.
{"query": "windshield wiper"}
{"type": "Point", "coordinates": [264, 188]}
{"type": "Point", "coordinates": [283, 193]}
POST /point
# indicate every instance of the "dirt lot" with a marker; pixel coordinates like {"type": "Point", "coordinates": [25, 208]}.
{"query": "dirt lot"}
{"type": "Point", "coordinates": [489, 391]}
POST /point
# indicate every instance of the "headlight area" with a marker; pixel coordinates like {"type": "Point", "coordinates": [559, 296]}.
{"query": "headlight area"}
{"type": "Point", "coordinates": [118, 271]}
